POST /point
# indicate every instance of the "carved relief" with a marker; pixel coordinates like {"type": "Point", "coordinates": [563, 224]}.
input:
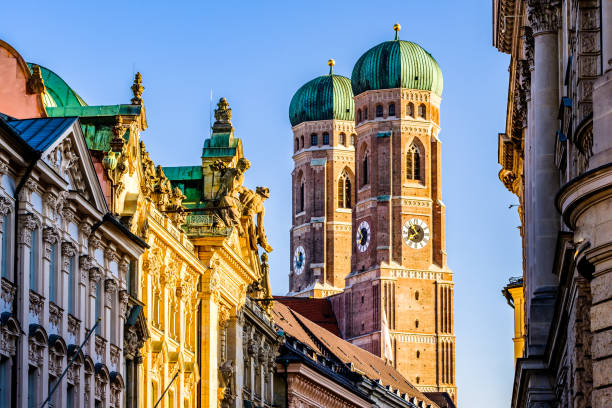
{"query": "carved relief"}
{"type": "Point", "coordinates": [543, 15]}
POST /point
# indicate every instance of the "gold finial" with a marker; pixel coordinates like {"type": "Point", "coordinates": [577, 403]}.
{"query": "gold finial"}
{"type": "Point", "coordinates": [137, 89]}
{"type": "Point", "coordinates": [331, 64]}
{"type": "Point", "coordinates": [397, 27]}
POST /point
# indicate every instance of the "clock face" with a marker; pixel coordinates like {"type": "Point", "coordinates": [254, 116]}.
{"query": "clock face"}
{"type": "Point", "coordinates": [363, 236]}
{"type": "Point", "coordinates": [415, 233]}
{"type": "Point", "coordinates": [299, 260]}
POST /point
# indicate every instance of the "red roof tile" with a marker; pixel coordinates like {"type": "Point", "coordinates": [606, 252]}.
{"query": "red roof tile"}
{"type": "Point", "coordinates": [316, 310]}
{"type": "Point", "coordinates": [373, 367]}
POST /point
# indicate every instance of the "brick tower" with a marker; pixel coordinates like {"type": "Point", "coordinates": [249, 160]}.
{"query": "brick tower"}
{"type": "Point", "coordinates": [399, 273]}
{"type": "Point", "coordinates": [322, 117]}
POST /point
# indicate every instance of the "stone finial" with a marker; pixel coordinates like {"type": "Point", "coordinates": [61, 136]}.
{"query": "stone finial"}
{"type": "Point", "coordinates": [137, 89]}
{"type": "Point", "coordinates": [35, 84]}
{"type": "Point", "coordinates": [331, 62]}
{"type": "Point", "coordinates": [118, 131]}
{"type": "Point", "coordinates": [223, 117]}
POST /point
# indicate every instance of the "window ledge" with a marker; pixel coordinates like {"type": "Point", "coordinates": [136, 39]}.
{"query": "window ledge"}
{"type": "Point", "coordinates": [300, 214]}
{"type": "Point", "coordinates": [344, 210]}
{"type": "Point", "coordinates": [414, 184]}
{"type": "Point", "coordinates": [364, 188]}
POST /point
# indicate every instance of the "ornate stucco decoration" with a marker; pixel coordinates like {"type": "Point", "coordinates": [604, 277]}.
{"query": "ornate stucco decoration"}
{"type": "Point", "coordinates": [223, 117]}
{"type": "Point", "coordinates": [156, 187]}
{"type": "Point", "coordinates": [543, 15]}
{"type": "Point", "coordinates": [137, 89]}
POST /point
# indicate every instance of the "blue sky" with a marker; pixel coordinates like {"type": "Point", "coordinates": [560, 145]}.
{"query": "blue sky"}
{"type": "Point", "coordinates": [257, 54]}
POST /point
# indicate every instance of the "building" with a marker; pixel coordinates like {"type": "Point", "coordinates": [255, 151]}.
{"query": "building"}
{"type": "Point", "coordinates": [226, 226]}
{"type": "Point", "coordinates": [65, 257]}
{"type": "Point", "coordinates": [367, 177]}
{"type": "Point", "coordinates": [555, 156]}
{"type": "Point", "coordinates": [183, 332]}
{"type": "Point", "coordinates": [322, 114]}
{"type": "Point", "coordinates": [318, 369]}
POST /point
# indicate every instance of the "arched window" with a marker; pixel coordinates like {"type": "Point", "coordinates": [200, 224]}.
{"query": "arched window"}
{"type": "Point", "coordinates": [365, 113]}
{"type": "Point", "coordinates": [418, 380]}
{"type": "Point", "coordinates": [365, 176]}
{"type": "Point", "coordinates": [325, 138]}
{"type": "Point", "coordinates": [410, 109]}
{"type": "Point", "coordinates": [379, 111]}
{"type": "Point", "coordinates": [413, 163]}
{"type": "Point", "coordinates": [344, 190]}
{"type": "Point", "coordinates": [391, 109]}
{"type": "Point", "coordinates": [302, 141]}
{"type": "Point", "coordinates": [314, 139]}
{"type": "Point", "coordinates": [358, 115]}
{"type": "Point", "coordinates": [418, 354]}
{"type": "Point", "coordinates": [297, 144]}
{"type": "Point", "coordinates": [422, 111]}
{"type": "Point", "coordinates": [353, 139]}
{"type": "Point", "coordinates": [416, 324]}
{"type": "Point", "coordinates": [342, 139]}
{"type": "Point", "coordinates": [301, 198]}
{"type": "Point", "coordinates": [416, 295]}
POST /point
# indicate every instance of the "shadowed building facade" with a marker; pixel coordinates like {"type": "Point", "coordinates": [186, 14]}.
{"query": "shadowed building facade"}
{"type": "Point", "coordinates": [555, 155]}
{"type": "Point", "coordinates": [396, 300]}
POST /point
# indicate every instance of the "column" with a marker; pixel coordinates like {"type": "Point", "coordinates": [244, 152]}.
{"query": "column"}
{"type": "Point", "coordinates": [208, 340]}
{"type": "Point", "coordinates": [545, 102]}
{"type": "Point", "coordinates": [25, 223]}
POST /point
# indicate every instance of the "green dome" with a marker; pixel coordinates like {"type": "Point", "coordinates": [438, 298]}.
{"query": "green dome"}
{"type": "Point", "coordinates": [397, 64]}
{"type": "Point", "coordinates": [323, 98]}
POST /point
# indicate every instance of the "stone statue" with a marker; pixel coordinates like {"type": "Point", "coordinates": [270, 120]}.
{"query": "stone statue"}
{"type": "Point", "coordinates": [229, 192]}
{"type": "Point", "coordinates": [253, 205]}
{"type": "Point", "coordinates": [226, 390]}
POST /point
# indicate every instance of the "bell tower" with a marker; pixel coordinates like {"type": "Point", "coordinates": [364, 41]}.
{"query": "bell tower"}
{"type": "Point", "coordinates": [322, 118]}
{"type": "Point", "coordinates": [399, 277]}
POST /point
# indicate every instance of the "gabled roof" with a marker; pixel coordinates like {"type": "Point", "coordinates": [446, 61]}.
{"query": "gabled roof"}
{"type": "Point", "coordinates": [40, 133]}
{"type": "Point", "coordinates": [360, 360]}
{"type": "Point", "coordinates": [317, 310]}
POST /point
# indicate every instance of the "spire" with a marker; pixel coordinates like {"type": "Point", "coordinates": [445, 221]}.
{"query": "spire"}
{"type": "Point", "coordinates": [223, 116]}
{"type": "Point", "coordinates": [331, 64]}
{"type": "Point", "coordinates": [137, 89]}
{"type": "Point", "coordinates": [397, 27]}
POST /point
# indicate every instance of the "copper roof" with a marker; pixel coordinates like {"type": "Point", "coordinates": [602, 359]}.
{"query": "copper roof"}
{"type": "Point", "coordinates": [362, 361]}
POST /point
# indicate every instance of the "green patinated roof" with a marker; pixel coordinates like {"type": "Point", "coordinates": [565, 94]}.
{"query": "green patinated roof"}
{"type": "Point", "coordinates": [397, 64]}
{"type": "Point", "coordinates": [90, 111]}
{"type": "Point", "coordinates": [323, 98]}
{"type": "Point", "coordinates": [220, 145]}
{"type": "Point", "coordinates": [183, 173]}
{"type": "Point", "coordinates": [58, 93]}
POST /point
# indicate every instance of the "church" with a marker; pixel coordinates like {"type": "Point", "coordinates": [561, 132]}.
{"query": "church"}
{"type": "Point", "coordinates": [368, 230]}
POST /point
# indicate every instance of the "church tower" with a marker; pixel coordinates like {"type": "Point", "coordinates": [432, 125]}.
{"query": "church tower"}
{"type": "Point", "coordinates": [399, 278]}
{"type": "Point", "coordinates": [322, 117]}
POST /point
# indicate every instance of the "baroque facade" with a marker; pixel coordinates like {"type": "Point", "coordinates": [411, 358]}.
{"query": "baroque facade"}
{"type": "Point", "coordinates": [176, 326]}
{"type": "Point", "coordinates": [555, 156]}
{"type": "Point", "coordinates": [368, 218]}
{"type": "Point", "coordinates": [65, 258]}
